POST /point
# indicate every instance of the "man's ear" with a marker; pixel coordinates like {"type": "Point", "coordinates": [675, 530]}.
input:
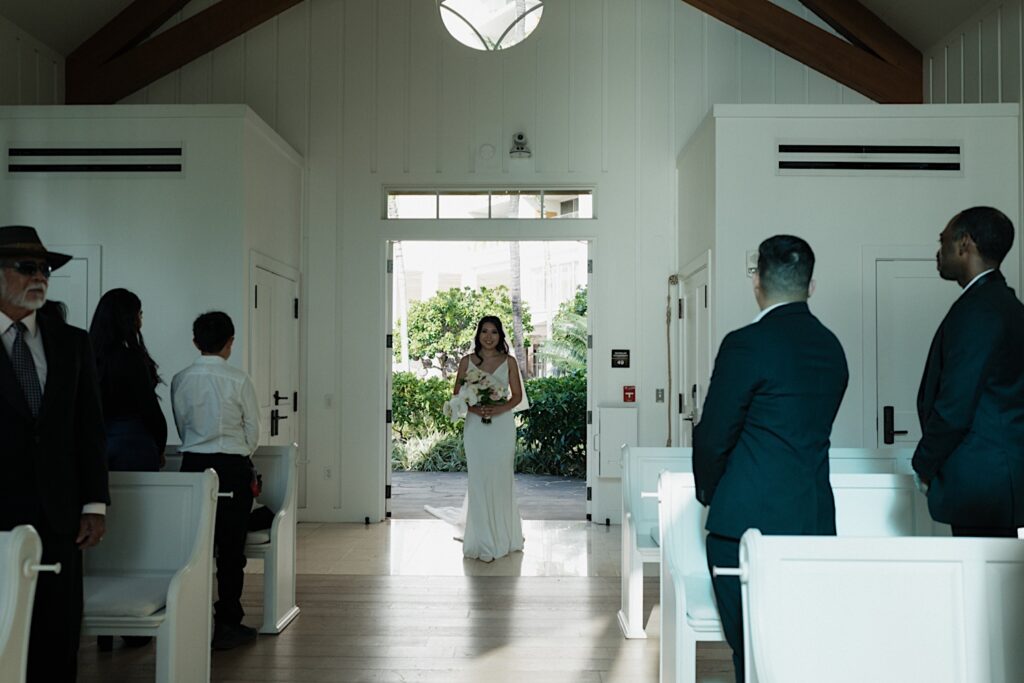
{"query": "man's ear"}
{"type": "Point", "coordinates": [810, 287]}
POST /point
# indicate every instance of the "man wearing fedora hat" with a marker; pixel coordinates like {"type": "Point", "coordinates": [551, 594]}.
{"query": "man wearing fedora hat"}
{"type": "Point", "coordinates": [54, 473]}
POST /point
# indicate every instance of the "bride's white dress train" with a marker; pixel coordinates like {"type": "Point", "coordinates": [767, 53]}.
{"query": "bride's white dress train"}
{"type": "Point", "coordinates": [488, 520]}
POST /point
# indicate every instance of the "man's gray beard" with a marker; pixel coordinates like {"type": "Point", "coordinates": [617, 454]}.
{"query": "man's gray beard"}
{"type": "Point", "coordinates": [21, 301]}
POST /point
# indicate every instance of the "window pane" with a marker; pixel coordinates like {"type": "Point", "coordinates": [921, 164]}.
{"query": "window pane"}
{"type": "Point", "coordinates": [490, 24]}
{"type": "Point", "coordinates": [463, 205]}
{"type": "Point", "coordinates": [412, 205]}
{"type": "Point", "coordinates": [515, 204]}
{"type": "Point", "coordinates": [568, 204]}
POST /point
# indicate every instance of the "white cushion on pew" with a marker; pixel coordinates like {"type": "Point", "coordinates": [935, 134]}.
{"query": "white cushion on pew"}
{"type": "Point", "coordinates": [700, 597]}
{"type": "Point", "coordinates": [257, 537]}
{"type": "Point", "coordinates": [120, 596]}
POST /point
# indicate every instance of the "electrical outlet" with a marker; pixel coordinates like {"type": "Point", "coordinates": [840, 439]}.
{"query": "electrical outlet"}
{"type": "Point", "coordinates": [327, 473]}
{"type": "Point", "coordinates": [659, 395]}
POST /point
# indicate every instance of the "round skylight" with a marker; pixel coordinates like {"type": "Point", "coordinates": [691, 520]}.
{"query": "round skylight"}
{"type": "Point", "coordinates": [490, 24]}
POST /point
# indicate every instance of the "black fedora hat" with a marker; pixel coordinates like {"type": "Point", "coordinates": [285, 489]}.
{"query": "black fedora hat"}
{"type": "Point", "coordinates": [21, 240]}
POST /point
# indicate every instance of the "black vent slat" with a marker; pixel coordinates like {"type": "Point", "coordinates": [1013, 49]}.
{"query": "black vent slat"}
{"type": "Point", "coordinates": [869, 149]}
{"type": "Point", "coordinates": [94, 151]}
{"type": "Point", "coordinates": [94, 168]}
{"type": "Point", "coordinates": [869, 165]}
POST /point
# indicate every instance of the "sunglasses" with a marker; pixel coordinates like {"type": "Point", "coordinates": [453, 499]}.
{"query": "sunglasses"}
{"type": "Point", "coordinates": [30, 268]}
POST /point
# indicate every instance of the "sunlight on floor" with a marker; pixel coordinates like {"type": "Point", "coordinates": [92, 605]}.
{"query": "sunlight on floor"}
{"type": "Point", "coordinates": [428, 548]}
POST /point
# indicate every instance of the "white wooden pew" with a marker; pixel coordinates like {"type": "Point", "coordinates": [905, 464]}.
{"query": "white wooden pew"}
{"type": "Point", "coordinates": [867, 504]}
{"type": "Point", "coordinates": [20, 552]}
{"type": "Point", "coordinates": [886, 610]}
{"type": "Point", "coordinates": [275, 546]}
{"type": "Point", "coordinates": [640, 530]}
{"type": "Point", "coordinates": [152, 574]}
{"type": "Point", "coordinates": [640, 470]}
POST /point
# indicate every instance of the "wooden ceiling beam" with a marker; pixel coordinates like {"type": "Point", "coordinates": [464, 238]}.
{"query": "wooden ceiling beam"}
{"type": "Point", "coordinates": [126, 71]}
{"type": "Point", "coordinates": [864, 66]}
{"type": "Point", "coordinates": [130, 27]}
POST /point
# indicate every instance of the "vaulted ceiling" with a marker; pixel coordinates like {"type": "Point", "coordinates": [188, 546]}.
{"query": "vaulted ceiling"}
{"type": "Point", "coordinates": [65, 24]}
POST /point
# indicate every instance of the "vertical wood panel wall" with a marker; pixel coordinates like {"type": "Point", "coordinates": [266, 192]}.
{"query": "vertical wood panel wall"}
{"type": "Point", "coordinates": [30, 72]}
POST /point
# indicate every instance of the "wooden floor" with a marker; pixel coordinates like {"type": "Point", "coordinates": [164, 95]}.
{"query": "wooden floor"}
{"type": "Point", "coordinates": [370, 620]}
{"type": "Point", "coordinates": [539, 496]}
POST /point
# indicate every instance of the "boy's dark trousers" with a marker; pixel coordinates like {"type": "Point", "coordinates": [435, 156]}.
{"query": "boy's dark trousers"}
{"type": "Point", "coordinates": [235, 474]}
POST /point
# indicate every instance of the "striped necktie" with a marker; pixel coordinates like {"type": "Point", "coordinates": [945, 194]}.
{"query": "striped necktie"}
{"type": "Point", "coordinates": [25, 369]}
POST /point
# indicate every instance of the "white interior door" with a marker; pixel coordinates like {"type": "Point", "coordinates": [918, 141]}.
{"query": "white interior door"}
{"type": "Point", "coordinates": [77, 283]}
{"type": "Point", "coordinates": [911, 301]}
{"type": "Point", "coordinates": [274, 354]}
{"type": "Point", "coordinates": [696, 352]}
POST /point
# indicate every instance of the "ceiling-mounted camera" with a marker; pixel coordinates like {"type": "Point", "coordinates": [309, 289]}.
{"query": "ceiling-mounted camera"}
{"type": "Point", "coordinates": [520, 147]}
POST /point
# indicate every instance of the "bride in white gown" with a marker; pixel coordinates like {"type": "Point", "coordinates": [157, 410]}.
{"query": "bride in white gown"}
{"type": "Point", "coordinates": [489, 519]}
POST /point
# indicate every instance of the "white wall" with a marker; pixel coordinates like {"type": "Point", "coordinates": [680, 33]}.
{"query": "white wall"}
{"type": "Point", "coordinates": [376, 93]}
{"type": "Point", "coordinates": [30, 72]}
{"type": "Point", "coordinates": [180, 243]}
{"type": "Point", "coordinates": [841, 215]}
{"type": "Point", "coordinates": [980, 61]}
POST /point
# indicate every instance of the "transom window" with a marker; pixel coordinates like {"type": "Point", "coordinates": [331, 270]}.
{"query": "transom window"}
{"type": "Point", "coordinates": [490, 24]}
{"type": "Point", "coordinates": [488, 204]}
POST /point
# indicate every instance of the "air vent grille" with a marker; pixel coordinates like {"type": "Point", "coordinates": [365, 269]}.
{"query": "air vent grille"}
{"type": "Point", "coordinates": [869, 159]}
{"type": "Point", "coordinates": [119, 160]}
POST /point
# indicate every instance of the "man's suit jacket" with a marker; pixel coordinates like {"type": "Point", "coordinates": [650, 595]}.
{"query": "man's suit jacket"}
{"type": "Point", "coordinates": [760, 450]}
{"type": "Point", "coordinates": [55, 463]}
{"type": "Point", "coordinates": [971, 407]}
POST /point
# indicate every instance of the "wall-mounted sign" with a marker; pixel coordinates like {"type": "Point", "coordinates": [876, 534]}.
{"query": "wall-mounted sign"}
{"type": "Point", "coordinates": [629, 393]}
{"type": "Point", "coordinates": [620, 358]}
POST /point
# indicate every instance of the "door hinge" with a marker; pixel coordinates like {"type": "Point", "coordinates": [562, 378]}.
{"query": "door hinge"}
{"type": "Point", "coordinates": [680, 403]}
{"type": "Point", "coordinates": [295, 401]}
{"type": "Point", "coordinates": [590, 265]}
{"type": "Point", "coordinates": [296, 308]}
{"type": "Point", "coordinates": [389, 341]}
{"type": "Point", "coordinates": [387, 490]}
{"type": "Point", "coordinates": [705, 297]}
{"type": "Point", "coordinates": [256, 296]}
{"type": "Point", "coordinates": [387, 416]}
{"type": "Point", "coordinates": [682, 308]}
{"type": "Point", "coordinates": [391, 266]}
{"type": "Point", "coordinates": [590, 493]}
{"type": "Point", "coordinates": [590, 341]}
{"type": "Point", "coordinates": [590, 417]}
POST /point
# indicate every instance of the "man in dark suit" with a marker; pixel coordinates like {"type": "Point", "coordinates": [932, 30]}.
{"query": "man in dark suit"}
{"type": "Point", "coordinates": [971, 399]}
{"type": "Point", "coordinates": [55, 474]}
{"type": "Point", "coordinates": [760, 451]}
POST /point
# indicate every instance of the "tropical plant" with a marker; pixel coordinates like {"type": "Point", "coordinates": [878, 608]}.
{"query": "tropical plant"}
{"type": "Point", "coordinates": [416, 406]}
{"type": "Point", "coordinates": [441, 328]}
{"type": "Point", "coordinates": [567, 348]}
{"type": "Point", "coordinates": [554, 430]}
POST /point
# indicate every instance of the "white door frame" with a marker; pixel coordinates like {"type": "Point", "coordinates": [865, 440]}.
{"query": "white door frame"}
{"type": "Point", "coordinates": [870, 256]}
{"type": "Point", "coordinates": [702, 262]}
{"type": "Point", "coordinates": [429, 235]}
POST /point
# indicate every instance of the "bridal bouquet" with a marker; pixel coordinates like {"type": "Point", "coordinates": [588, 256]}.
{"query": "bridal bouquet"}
{"type": "Point", "coordinates": [477, 389]}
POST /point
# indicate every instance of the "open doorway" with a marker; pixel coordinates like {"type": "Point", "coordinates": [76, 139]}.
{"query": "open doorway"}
{"type": "Point", "coordinates": [438, 292]}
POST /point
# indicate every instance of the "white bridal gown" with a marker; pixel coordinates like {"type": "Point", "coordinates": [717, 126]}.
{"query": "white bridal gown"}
{"type": "Point", "coordinates": [489, 517]}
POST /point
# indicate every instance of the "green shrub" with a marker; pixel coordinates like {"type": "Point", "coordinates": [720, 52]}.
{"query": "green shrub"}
{"type": "Point", "coordinates": [416, 406]}
{"type": "Point", "coordinates": [432, 453]}
{"type": "Point", "coordinates": [553, 431]}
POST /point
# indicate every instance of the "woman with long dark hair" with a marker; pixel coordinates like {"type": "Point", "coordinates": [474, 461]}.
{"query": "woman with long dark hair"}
{"type": "Point", "coordinates": [489, 388]}
{"type": "Point", "coordinates": [135, 424]}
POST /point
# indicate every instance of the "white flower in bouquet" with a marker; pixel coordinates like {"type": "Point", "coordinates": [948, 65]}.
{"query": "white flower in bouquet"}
{"type": "Point", "coordinates": [455, 409]}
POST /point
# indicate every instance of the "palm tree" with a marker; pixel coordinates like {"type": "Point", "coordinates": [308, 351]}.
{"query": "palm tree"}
{"type": "Point", "coordinates": [567, 348]}
{"type": "Point", "coordinates": [516, 293]}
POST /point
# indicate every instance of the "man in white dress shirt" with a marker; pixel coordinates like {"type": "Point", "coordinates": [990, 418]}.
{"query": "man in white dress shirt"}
{"type": "Point", "coordinates": [51, 426]}
{"type": "Point", "coordinates": [217, 415]}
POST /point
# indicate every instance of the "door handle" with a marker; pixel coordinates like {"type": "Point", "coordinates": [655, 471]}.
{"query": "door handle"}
{"type": "Point", "coordinates": [278, 397]}
{"type": "Point", "coordinates": [275, 419]}
{"type": "Point", "coordinates": [889, 430]}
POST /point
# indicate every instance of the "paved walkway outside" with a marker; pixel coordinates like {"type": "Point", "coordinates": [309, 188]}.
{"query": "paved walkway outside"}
{"type": "Point", "coordinates": [540, 496]}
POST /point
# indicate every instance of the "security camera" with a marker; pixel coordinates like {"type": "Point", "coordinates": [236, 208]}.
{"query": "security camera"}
{"type": "Point", "coordinates": [520, 149]}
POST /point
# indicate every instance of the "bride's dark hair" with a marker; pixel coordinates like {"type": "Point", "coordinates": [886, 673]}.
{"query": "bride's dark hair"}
{"type": "Point", "coordinates": [502, 344]}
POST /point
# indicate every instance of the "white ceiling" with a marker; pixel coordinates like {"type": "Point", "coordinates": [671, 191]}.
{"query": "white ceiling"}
{"type": "Point", "coordinates": [65, 24]}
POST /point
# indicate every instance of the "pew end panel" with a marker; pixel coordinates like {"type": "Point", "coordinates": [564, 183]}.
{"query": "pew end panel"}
{"type": "Point", "coordinates": [153, 574]}
{"type": "Point", "coordinates": [278, 466]}
{"type": "Point", "coordinates": [882, 609]}
{"type": "Point", "coordinates": [20, 551]}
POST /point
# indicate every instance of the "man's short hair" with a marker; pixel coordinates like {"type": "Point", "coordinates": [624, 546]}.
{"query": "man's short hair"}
{"type": "Point", "coordinates": [211, 331]}
{"type": "Point", "coordinates": [990, 229]}
{"type": "Point", "coordinates": [785, 265]}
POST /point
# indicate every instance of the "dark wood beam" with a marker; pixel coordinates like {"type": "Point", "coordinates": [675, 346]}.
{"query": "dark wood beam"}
{"type": "Point", "coordinates": [126, 71]}
{"type": "Point", "coordinates": [134, 24]}
{"type": "Point", "coordinates": [880, 65]}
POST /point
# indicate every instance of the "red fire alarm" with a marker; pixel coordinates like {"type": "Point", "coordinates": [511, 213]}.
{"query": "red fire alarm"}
{"type": "Point", "coordinates": [629, 394]}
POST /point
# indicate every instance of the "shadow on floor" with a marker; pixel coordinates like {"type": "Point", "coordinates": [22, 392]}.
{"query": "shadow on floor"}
{"type": "Point", "coordinates": [540, 496]}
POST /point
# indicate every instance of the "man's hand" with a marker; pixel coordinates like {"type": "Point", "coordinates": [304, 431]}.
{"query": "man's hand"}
{"type": "Point", "coordinates": [90, 530]}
